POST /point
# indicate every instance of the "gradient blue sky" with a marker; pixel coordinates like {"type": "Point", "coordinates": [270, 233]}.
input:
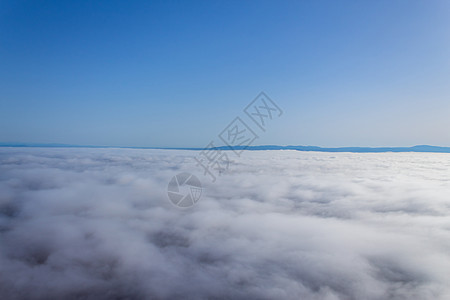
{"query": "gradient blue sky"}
{"type": "Point", "coordinates": [175, 73]}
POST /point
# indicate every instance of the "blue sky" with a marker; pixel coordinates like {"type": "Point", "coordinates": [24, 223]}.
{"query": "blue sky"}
{"type": "Point", "coordinates": [175, 73]}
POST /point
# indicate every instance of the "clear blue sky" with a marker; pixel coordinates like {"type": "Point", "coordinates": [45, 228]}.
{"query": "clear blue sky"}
{"type": "Point", "coordinates": [175, 73]}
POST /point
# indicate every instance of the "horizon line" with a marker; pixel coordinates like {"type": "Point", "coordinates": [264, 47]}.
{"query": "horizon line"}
{"type": "Point", "coordinates": [354, 149]}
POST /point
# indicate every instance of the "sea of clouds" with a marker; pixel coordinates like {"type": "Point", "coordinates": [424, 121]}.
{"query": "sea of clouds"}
{"type": "Point", "coordinates": [97, 224]}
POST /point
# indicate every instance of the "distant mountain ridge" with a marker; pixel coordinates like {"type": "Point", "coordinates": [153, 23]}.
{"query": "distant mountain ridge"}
{"type": "Point", "coordinates": [418, 148]}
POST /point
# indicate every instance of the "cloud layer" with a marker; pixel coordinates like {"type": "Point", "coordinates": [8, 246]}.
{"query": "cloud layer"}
{"type": "Point", "coordinates": [97, 224]}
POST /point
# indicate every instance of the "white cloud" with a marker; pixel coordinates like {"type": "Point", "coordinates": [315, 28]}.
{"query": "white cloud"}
{"type": "Point", "coordinates": [97, 224]}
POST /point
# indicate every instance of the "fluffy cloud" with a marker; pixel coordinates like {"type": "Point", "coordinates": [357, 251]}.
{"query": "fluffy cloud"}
{"type": "Point", "coordinates": [97, 224]}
